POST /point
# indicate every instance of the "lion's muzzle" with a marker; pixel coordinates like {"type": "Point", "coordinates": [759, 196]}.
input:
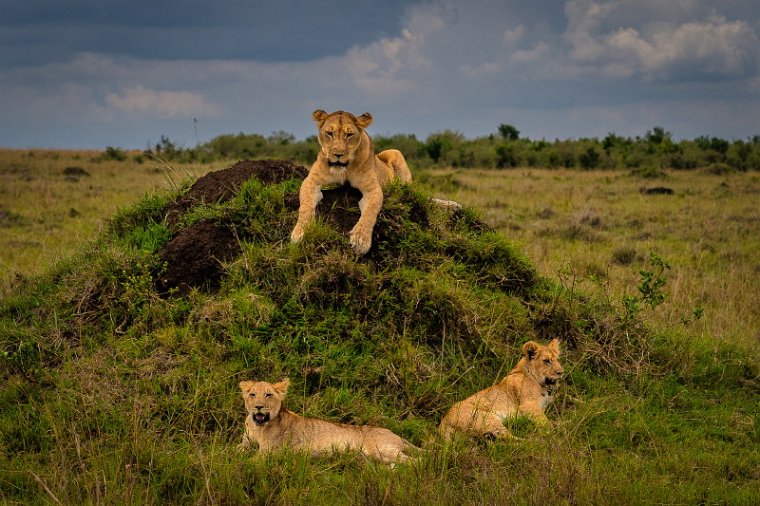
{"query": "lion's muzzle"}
{"type": "Point", "coordinates": [260, 418]}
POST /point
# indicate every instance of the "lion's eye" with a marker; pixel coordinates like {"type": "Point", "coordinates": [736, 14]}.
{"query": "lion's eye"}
{"type": "Point", "coordinates": [267, 395]}
{"type": "Point", "coordinates": [547, 361]}
{"type": "Point", "coordinates": [349, 134]}
{"type": "Point", "coordinates": [329, 134]}
{"type": "Point", "coordinates": [252, 394]}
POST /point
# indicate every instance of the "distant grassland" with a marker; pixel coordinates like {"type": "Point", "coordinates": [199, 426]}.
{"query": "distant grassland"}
{"type": "Point", "coordinates": [51, 202]}
{"type": "Point", "coordinates": [594, 230]}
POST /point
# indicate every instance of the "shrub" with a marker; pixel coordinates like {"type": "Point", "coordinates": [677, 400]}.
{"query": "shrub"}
{"type": "Point", "coordinates": [116, 154]}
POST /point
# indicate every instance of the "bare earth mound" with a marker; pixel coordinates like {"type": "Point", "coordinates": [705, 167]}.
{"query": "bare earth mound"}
{"type": "Point", "coordinates": [224, 184]}
{"type": "Point", "coordinates": [194, 254]}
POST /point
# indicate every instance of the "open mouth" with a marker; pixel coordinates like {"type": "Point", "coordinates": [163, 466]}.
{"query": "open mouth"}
{"type": "Point", "coordinates": [550, 381]}
{"type": "Point", "coordinates": [337, 164]}
{"type": "Point", "coordinates": [260, 418]}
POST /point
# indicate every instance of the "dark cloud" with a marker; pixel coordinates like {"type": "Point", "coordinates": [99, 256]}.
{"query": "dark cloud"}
{"type": "Point", "coordinates": [88, 74]}
{"type": "Point", "coordinates": [263, 30]}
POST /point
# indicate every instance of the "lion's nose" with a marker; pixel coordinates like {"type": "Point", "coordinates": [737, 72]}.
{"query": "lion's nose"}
{"type": "Point", "coordinates": [259, 407]}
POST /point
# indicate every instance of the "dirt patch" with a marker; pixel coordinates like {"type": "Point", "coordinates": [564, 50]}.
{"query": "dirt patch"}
{"type": "Point", "coordinates": [657, 190]}
{"type": "Point", "coordinates": [224, 184]}
{"type": "Point", "coordinates": [193, 257]}
{"type": "Point", "coordinates": [340, 207]}
{"type": "Point", "coordinates": [75, 172]}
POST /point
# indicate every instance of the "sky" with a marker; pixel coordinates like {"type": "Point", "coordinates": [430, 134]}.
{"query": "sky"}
{"type": "Point", "coordinates": [97, 73]}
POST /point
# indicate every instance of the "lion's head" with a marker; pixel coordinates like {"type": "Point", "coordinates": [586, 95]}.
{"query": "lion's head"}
{"type": "Point", "coordinates": [263, 401]}
{"type": "Point", "coordinates": [542, 362]}
{"type": "Point", "coordinates": [340, 135]}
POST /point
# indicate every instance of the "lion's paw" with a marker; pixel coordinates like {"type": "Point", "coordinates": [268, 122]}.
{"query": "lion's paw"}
{"type": "Point", "coordinates": [361, 242]}
{"type": "Point", "coordinates": [297, 234]}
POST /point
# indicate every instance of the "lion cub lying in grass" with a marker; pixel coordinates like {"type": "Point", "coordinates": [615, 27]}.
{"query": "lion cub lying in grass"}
{"type": "Point", "coordinates": [525, 391]}
{"type": "Point", "coordinates": [272, 426]}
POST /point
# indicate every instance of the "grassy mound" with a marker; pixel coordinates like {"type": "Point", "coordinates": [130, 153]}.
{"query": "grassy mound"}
{"type": "Point", "coordinates": [120, 369]}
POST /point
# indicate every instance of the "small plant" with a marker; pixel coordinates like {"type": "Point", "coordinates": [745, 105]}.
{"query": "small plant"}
{"type": "Point", "coordinates": [149, 237]}
{"type": "Point", "coordinates": [652, 282]}
{"type": "Point", "coordinates": [697, 314]}
{"type": "Point", "coordinates": [650, 287]}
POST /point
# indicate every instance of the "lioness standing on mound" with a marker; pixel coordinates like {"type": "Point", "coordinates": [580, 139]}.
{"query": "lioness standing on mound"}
{"type": "Point", "coordinates": [272, 427]}
{"type": "Point", "coordinates": [525, 391]}
{"type": "Point", "coordinates": [347, 156]}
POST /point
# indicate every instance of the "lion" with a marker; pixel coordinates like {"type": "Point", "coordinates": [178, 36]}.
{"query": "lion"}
{"type": "Point", "coordinates": [272, 426]}
{"type": "Point", "coordinates": [347, 156]}
{"type": "Point", "coordinates": [526, 390]}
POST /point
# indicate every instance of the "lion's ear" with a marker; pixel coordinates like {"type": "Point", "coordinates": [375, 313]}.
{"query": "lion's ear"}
{"type": "Point", "coordinates": [319, 115]}
{"type": "Point", "coordinates": [282, 386]}
{"type": "Point", "coordinates": [554, 345]}
{"type": "Point", "coordinates": [245, 385]}
{"type": "Point", "coordinates": [364, 120]}
{"type": "Point", "coordinates": [530, 350]}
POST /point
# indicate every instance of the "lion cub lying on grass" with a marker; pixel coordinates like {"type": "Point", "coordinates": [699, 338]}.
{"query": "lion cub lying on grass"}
{"type": "Point", "coordinates": [525, 391]}
{"type": "Point", "coordinates": [272, 427]}
{"type": "Point", "coordinates": [346, 155]}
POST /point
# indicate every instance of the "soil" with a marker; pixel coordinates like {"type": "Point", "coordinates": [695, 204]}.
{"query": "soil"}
{"type": "Point", "coordinates": [75, 172]}
{"type": "Point", "coordinates": [224, 184]}
{"type": "Point", "coordinates": [193, 256]}
{"type": "Point", "coordinates": [657, 190]}
{"type": "Point", "coordinates": [340, 206]}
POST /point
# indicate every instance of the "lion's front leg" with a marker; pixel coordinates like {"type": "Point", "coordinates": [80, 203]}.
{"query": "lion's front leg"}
{"type": "Point", "coordinates": [360, 236]}
{"type": "Point", "coordinates": [309, 196]}
{"type": "Point", "coordinates": [245, 444]}
{"type": "Point", "coordinates": [533, 411]}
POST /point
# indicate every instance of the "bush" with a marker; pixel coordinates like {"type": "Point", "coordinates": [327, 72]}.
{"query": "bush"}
{"type": "Point", "coordinates": [116, 154]}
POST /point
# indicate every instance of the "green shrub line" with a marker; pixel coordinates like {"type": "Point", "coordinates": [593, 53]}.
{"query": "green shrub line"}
{"type": "Point", "coordinates": [112, 391]}
{"type": "Point", "coordinates": [647, 154]}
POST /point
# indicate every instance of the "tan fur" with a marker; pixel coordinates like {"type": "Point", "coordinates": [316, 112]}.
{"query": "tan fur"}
{"type": "Point", "coordinates": [347, 156]}
{"type": "Point", "coordinates": [277, 427]}
{"type": "Point", "coordinates": [525, 391]}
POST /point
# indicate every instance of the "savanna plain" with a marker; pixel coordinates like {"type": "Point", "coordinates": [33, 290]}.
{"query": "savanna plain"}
{"type": "Point", "coordinates": [131, 397]}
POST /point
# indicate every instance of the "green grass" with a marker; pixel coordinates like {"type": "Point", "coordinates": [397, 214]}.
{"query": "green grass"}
{"type": "Point", "coordinates": [112, 393]}
{"type": "Point", "coordinates": [47, 210]}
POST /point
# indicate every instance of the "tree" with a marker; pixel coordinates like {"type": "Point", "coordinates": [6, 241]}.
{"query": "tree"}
{"type": "Point", "coordinates": [590, 159]}
{"type": "Point", "coordinates": [439, 144]}
{"type": "Point", "coordinates": [658, 135]}
{"type": "Point", "coordinates": [505, 157]}
{"type": "Point", "coordinates": [509, 132]}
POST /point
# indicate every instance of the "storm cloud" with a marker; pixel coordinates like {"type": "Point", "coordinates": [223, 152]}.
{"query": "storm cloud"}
{"type": "Point", "coordinates": [90, 74]}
